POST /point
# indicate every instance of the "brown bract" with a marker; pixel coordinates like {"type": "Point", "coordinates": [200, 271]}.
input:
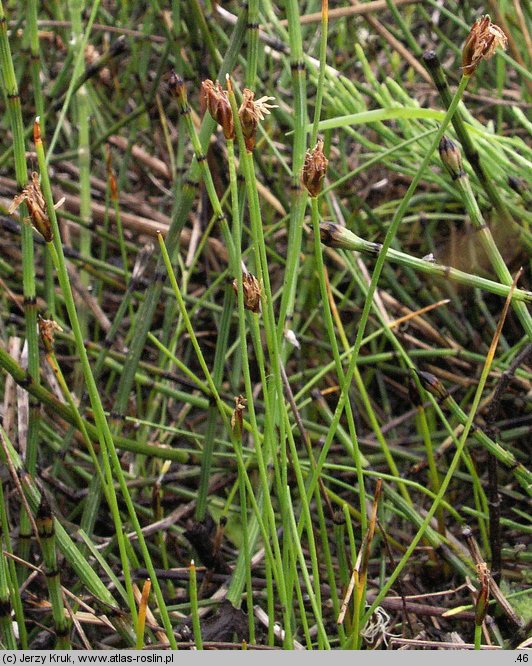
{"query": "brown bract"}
{"type": "Point", "coordinates": [481, 43]}
{"type": "Point", "coordinates": [481, 606]}
{"type": "Point", "coordinates": [34, 199]}
{"type": "Point", "coordinates": [314, 169]}
{"type": "Point", "coordinates": [237, 417]}
{"type": "Point", "coordinates": [250, 112]}
{"type": "Point", "coordinates": [219, 107]}
{"type": "Point", "coordinates": [252, 292]}
{"type": "Point", "coordinates": [47, 329]}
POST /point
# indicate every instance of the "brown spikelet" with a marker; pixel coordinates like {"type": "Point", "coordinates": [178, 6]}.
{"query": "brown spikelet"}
{"type": "Point", "coordinates": [250, 112]}
{"type": "Point", "coordinates": [252, 292]}
{"type": "Point", "coordinates": [34, 199]}
{"type": "Point", "coordinates": [314, 169]}
{"type": "Point", "coordinates": [215, 98]}
{"type": "Point", "coordinates": [483, 40]}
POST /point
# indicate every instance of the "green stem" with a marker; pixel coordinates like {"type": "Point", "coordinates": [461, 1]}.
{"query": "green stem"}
{"type": "Point", "coordinates": [438, 76]}
{"type": "Point", "coordinates": [70, 551]}
{"type": "Point", "coordinates": [179, 217]}
{"type": "Point", "coordinates": [320, 269]}
{"type": "Point", "coordinates": [109, 455]}
{"type": "Point", "coordinates": [6, 623]}
{"type": "Point", "coordinates": [11, 91]}
{"type": "Point", "coordinates": [336, 236]}
{"type": "Point", "coordinates": [194, 608]}
{"type": "Point", "coordinates": [299, 194]}
{"type": "Point", "coordinates": [443, 488]}
{"type": "Point", "coordinates": [478, 636]}
{"type": "Point", "coordinates": [490, 247]}
{"type": "Point", "coordinates": [46, 531]}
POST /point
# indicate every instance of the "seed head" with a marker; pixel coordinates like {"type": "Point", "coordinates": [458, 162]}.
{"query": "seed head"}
{"type": "Point", "coordinates": [237, 418]}
{"type": "Point", "coordinates": [433, 385]}
{"type": "Point", "coordinates": [219, 107]}
{"type": "Point", "coordinates": [481, 43]}
{"type": "Point", "coordinates": [47, 329]}
{"type": "Point", "coordinates": [451, 157]}
{"type": "Point", "coordinates": [314, 169]}
{"type": "Point", "coordinates": [481, 606]}
{"type": "Point", "coordinates": [250, 112]}
{"type": "Point", "coordinates": [252, 292]}
{"type": "Point", "coordinates": [34, 199]}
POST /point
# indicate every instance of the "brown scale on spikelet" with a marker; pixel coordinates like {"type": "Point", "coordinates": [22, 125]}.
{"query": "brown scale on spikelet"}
{"type": "Point", "coordinates": [483, 40]}
{"type": "Point", "coordinates": [34, 199]}
{"type": "Point", "coordinates": [314, 169]}
{"type": "Point", "coordinates": [215, 98]}
{"type": "Point", "coordinates": [250, 112]}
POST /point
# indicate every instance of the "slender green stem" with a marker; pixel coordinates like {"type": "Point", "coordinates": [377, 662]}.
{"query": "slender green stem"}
{"type": "Point", "coordinates": [12, 96]}
{"type": "Point", "coordinates": [433, 470]}
{"type": "Point", "coordinates": [478, 636]}
{"type": "Point", "coordinates": [109, 457]}
{"type": "Point", "coordinates": [521, 473]}
{"type": "Point", "coordinates": [64, 411]}
{"type": "Point", "coordinates": [299, 194]}
{"type": "Point", "coordinates": [444, 485]}
{"type": "Point", "coordinates": [86, 574]}
{"type": "Point", "coordinates": [78, 59]}
{"type": "Point", "coordinates": [56, 369]}
{"type": "Point", "coordinates": [320, 269]}
{"type": "Point", "coordinates": [252, 43]}
{"type": "Point", "coordinates": [490, 247]}
{"type": "Point", "coordinates": [81, 97]}
{"type": "Point", "coordinates": [6, 623]}
{"type": "Point", "coordinates": [314, 602]}
{"type": "Point", "coordinates": [321, 75]}
{"type": "Point", "coordinates": [236, 586]}
{"type": "Point", "coordinates": [187, 195]}
{"type": "Point", "coordinates": [194, 608]}
{"type": "Point", "coordinates": [46, 531]}
{"type": "Point", "coordinates": [336, 236]}
{"type": "Point", "coordinates": [438, 76]}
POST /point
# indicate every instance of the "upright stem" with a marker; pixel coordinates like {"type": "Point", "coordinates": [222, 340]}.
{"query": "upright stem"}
{"type": "Point", "coordinates": [109, 455]}
{"type": "Point", "coordinates": [440, 81]}
{"type": "Point", "coordinates": [82, 116]}
{"type": "Point", "coordinates": [320, 268]}
{"type": "Point", "coordinates": [28, 268]}
{"type": "Point", "coordinates": [184, 201]}
{"type": "Point", "coordinates": [490, 247]}
{"type": "Point", "coordinates": [368, 303]}
{"type": "Point", "coordinates": [299, 194]}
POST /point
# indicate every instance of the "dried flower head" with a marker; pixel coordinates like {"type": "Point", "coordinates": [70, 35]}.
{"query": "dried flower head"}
{"type": "Point", "coordinates": [47, 329]}
{"type": "Point", "coordinates": [250, 112]}
{"type": "Point", "coordinates": [252, 292]}
{"type": "Point", "coordinates": [237, 418]}
{"type": "Point", "coordinates": [483, 40]}
{"type": "Point", "coordinates": [34, 199]}
{"type": "Point", "coordinates": [314, 169]}
{"type": "Point", "coordinates": [481, 606]}
{"type": "Point", "coordinates": [219, 107]}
